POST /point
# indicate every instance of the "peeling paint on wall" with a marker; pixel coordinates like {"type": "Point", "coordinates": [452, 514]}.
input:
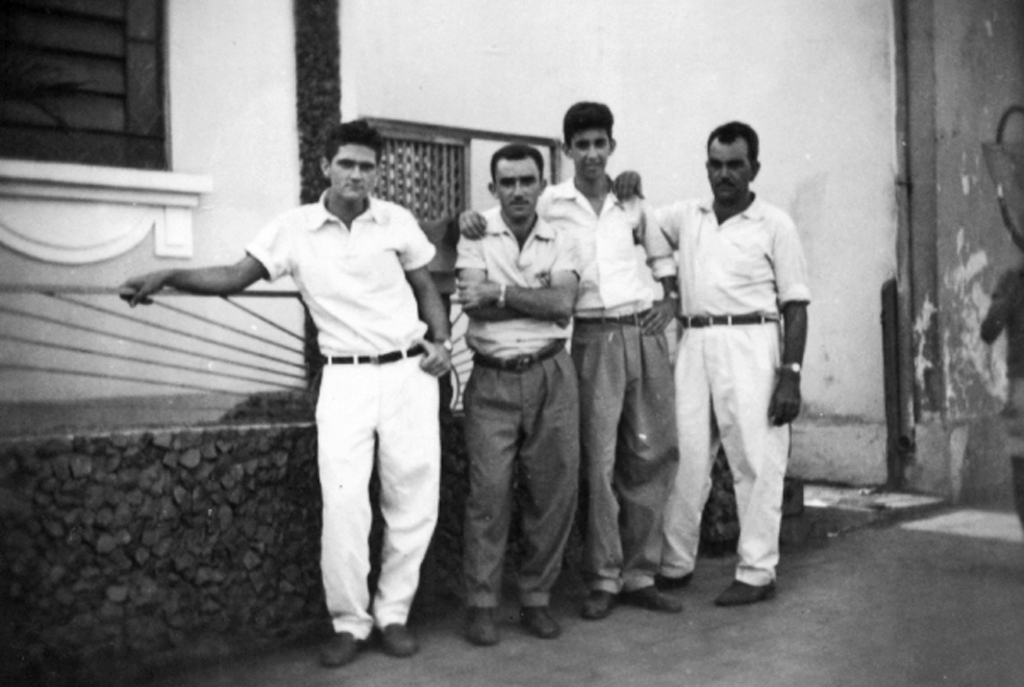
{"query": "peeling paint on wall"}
{"type": "Point", "coordinates": [967, 360]}
{"type": "Point", "coordinates": [921, 327]}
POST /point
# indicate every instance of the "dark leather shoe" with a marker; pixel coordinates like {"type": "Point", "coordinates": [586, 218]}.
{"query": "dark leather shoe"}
{"type": "Point", "coordinates": [668, 584]}
{"type": "Point", "coordinates": [650, 598]}
{"type": "Point", "coordinates": [398, 641]}
{"type": "Point", "coordinates": [739, 594]}
{"type": "Point", "coordinates": [340, 650]}
{"type": "Point", "coordinates": [538, 621]}
{"type": "Point", "coordinates": [598, 605]}
{"type": "Point", "coordinates": [480, 628]}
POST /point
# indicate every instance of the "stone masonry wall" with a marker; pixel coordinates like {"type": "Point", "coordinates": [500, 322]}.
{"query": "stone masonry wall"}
{"type": "Point", "coordinates": [136, 543]}
{"type": "Point", "coordinates": [118, 548]}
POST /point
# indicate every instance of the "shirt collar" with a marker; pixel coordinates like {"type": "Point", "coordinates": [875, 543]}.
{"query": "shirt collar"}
{"type": "Point", "coordinates": [377, 212]}
{"type": "Point", "coordinates": [754, 211]}
{"type": "Point", "coordinates": [541, 229]}
{"type": "Point", "coordinates": [567, 190]}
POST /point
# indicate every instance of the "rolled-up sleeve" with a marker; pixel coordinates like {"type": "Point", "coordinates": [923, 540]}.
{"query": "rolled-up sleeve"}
{"type": "Point", "coordinates": [273, 250]}
{"type": "Point", "coordinates": [417, 250]}
{"type": "Point", "coordinates": [471, 255]}
{"type": "Point", "coordinates": [790, 264]}
{"type": "Point", "coordinates": [661, 239]}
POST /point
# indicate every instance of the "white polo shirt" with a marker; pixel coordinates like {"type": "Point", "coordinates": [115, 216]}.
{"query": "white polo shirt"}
{"type": "Point", "coordinates": [545, 252]}
{"type": "Point", "coordinates": [751, 264]}
{"type": "Point", "coordinates": [352, 280]}
{"type": "Point", "coordinates": [610, 278]}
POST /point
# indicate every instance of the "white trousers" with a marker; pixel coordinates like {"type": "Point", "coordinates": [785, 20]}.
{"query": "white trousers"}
{"type": "Point", "coordinates": [725, 377]}
{"type": "Point", "coordinates": [398, 404]}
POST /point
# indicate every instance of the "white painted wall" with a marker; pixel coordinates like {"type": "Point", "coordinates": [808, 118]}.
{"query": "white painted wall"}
{"type": "Point", "coordinates": [816, 79]}
{"type": "Point", "coordinates": [231, 118]}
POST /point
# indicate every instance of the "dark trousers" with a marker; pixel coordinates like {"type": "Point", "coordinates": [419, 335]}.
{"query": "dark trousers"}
{"type": "Point", "coordinates": [531, 416]}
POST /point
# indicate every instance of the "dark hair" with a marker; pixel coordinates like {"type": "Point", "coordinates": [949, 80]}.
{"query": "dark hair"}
{"type": "Point", "coordinates": [358, 133]}
{"type": "Point", "coordinates": [586, 115]}
{"type": "Point", "coordinates": [516, 151]}
{"type": "Point", "coordinates": [728, 133]}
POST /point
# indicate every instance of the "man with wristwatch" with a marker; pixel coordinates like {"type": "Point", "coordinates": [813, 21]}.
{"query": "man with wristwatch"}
{"type": "Point", "coordinates": [518, 284]}
{"type": "Point", "coordinates": [743, 305]}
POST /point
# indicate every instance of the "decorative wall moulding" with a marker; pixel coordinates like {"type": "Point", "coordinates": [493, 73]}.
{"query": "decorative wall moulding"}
{"type": "Point", "coordinates": [76, 214]}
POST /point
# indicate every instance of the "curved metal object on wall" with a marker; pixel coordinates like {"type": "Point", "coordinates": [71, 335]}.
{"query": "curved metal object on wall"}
{"type": "Point", "coordinates": [1005, 163]}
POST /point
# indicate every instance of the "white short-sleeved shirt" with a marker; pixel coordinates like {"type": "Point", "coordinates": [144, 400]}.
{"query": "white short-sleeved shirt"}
{"type": "Point", "coordinates": [352, 280]}
{"type": "Point", "coordinates": [610, 279]}
{"type": "Point", "coordinates": [545, 252]}
{"type": "Point", "coordinates": [751, 264]}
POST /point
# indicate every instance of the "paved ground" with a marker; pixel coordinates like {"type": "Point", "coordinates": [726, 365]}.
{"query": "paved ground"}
{"type": "Point", "coordinates": [863, 600]}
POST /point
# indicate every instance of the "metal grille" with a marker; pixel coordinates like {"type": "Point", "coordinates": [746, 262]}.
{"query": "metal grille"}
{"type": "Point", "coordinates": [428, 178]}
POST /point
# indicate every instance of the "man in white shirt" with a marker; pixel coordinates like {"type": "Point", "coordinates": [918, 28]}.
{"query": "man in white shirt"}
{"type": "Point", "coordinates": [517, 284]}
{"type": "Point", "coordinates": [741, 268]}
{"type": "Point", "coordinates": [627, 428]}
{"type": "Point", "coordinates": [361, 266]}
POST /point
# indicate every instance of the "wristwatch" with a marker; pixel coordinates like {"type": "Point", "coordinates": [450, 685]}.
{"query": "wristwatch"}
{"type": "Point", "coordinates": [792, 367]}
{"type": "Point", "coordinates": [447, 344]}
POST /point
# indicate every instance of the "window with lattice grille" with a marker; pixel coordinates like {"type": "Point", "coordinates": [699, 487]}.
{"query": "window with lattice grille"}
{"type": "Point", "coordinates": [427, 177]}
{"type": "Point", "coordinates": [82, 81]}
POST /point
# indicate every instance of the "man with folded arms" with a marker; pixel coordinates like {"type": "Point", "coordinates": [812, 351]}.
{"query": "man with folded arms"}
{"type": "Point", "coordinates": [518, 283]}
{"type": "Point", "coordinates": [737, 376]}
{"type": "Point", "coordinates": [361, 266]}
{"type": "Point", "coordinates": [619, 348]}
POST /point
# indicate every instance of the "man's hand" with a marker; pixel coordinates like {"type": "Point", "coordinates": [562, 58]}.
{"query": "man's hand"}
{"type": "Point", "coordinates": [138, 289]}
{"type": "Point", "coordinates": [627, 186]}
{"type": "Point", "coordinates": [472, 224]}
{"type": "Point", "coordinates": [476, 295]}
{"type": "Point", "coordinates": [438, 361]}
{"type": "Point", "coordinates": [658, 317]}
{"type": "Point", "coordinates": [785, 403]}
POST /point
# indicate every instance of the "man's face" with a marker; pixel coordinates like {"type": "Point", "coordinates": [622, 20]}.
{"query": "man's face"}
{"type": "Point", "coordinates": [730, 171]}
{"type": "Point", "coordinates": [517, 185]}
{"type": "Point", "coordinates": [352, 171]}
{"type": "Point", "coordinates": [590, 150]}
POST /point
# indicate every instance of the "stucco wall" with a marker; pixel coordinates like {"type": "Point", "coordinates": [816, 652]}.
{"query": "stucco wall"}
{"type": "Point", "coordinates": [816, 79]}
{"type": "Point", "coordinates": [979, 50]}
{"type": "Point", "coordinates": [231, 118]}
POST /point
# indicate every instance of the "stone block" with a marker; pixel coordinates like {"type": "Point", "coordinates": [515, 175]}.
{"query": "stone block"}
{"type": "Point", "coordinates": [191, 458]}
{"type": "Point", "coordinates": [81, 466]}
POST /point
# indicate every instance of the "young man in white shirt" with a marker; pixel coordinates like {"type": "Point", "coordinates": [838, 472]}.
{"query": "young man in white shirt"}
{"type": "Point", "coordinates": [360, 265]}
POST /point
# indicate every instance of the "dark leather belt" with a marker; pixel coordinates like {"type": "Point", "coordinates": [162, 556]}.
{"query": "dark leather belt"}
{"type": "Point", "coordinates": [633, 319]}
{"type": "Point", "coordinates": [391, 357]}
{"type": "Point", "coordinates": [520, 362]}
{"type": "Point", "coordinates": [726, 320]}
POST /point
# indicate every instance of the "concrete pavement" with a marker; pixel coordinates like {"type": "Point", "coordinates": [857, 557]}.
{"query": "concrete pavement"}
{"type": "Point", "coordinates": [863, 600]}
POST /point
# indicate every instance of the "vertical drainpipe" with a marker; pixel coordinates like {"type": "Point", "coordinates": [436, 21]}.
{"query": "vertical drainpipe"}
{"type": "Point", "coordinates": [920, 377]}
{"type": "Point", "coordinates": [318, 99]}
{"type": "Point", "coordinates": [901, 407]}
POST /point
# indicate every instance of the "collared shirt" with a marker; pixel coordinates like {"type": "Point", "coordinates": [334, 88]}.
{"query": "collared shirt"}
{"type": "Point", "coordinates": [751, 264]}
{"type": "Point", "coordinates": [611, 282]}
{"type": "Point", "coordinates": [351, 279]}
{"type": "Point", "coordinates": [545, 252]}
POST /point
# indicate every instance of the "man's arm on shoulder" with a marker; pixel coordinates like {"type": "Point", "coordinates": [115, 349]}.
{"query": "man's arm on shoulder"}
{"type": "Point", "coordinates": [786, 399]}
{"type": "Point", "coordinates": [221, 280]}
{"type": "Point", "coordinates": [431, 310]}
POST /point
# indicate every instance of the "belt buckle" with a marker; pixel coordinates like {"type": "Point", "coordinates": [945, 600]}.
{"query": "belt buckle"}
{"type": "Point", "coordinates": [522, 363]}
